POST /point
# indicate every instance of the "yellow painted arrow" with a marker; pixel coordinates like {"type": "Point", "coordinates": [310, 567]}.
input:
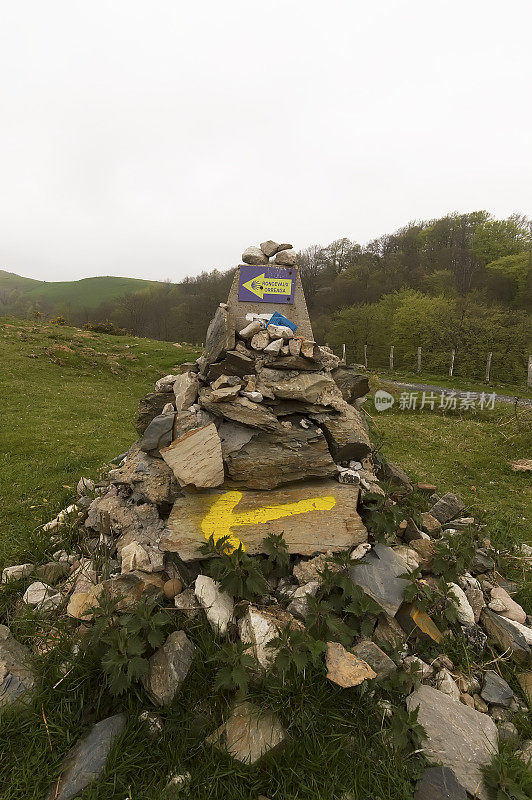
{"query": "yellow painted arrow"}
{"type": "Point", "coordinates": [222, 518]}
{"type": "Point", "coordinates": [261, 285]}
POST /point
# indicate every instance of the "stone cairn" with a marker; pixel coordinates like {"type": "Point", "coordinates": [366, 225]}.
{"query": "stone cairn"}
{"type": "Point", "coordinates": [264, 434]}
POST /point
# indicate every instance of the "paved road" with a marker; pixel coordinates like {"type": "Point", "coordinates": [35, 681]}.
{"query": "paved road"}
{"type": "Point", "coordinates": [427, 387]}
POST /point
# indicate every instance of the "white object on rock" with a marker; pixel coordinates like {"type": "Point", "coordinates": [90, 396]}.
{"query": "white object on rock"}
{"type": "Point", "coordinates": [218, 605]}
{"type": "Point", "coordinates": [360, 551]}
{"type": "Point", "coordinates": [464, 611]}
{"type": "Point", "coordinates": [424, 670]}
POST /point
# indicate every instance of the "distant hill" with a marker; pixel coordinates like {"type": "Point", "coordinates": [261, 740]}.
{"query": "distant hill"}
{"type": "Point", "coordinates": [87, 292]}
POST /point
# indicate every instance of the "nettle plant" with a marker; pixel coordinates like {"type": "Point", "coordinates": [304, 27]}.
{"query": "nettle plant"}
{"type": "Point", "coordinates": [123, 643]}
{"type": "Point", "coordinates": [380, 516]}
{"type": "Point", "coordinates": [237, 573]}
{"type": "Point", "coordinates": [438, 601]}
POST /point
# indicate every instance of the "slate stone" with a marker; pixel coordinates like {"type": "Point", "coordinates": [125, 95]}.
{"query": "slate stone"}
{"type": "Point", "coordinates": [168, 668]}
{"type": "Point", "coordinates": [496, 690]}
{"type": "Point", "coordinates": [186, 387]}
{"type": "Point", "coordinates": [158, 433]}
{"type": "Point", "coordinates": [447, 507]}
{"type": "Point", "coordinates": [269, 459]}
{"type": "Point", "coordinates": [396, 476]}
{"type": "Point", "coordinates": [308, 387]}
{"type": "Point", "coordinates": [150, 407]}
{"type": "Point", "coordinates": [350, 382]}
{"type": "Point", "coordinates": [458, 737]}
{"type": "Point", "coordinates": [377, 573]}
{"type": "Point", "coordinates": [234, 436]}
{"type": "Point", "coordinates": [220, 335]}
{"type": "Point", "coordinates": [86, 762]}
{"type": "Point", "coordinates": [439, 783]}
{"type": "Point", "coordinates": [249, 733]}
{"type": "Point", "coordinates": [481, 563]}
{"type": "Point", "coordinates": [369, 652]}
{"type": "Point", "coordinates": [506, 636]}
{"type": "Point", "coordinates": [346, 432]}
{"type": "Point", "coordinates": [16, 675]}
{"type": "Point", "coordinates": [240, 410]}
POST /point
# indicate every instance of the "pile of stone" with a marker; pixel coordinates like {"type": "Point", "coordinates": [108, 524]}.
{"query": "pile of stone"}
{"type": "Point", "coordinates": [283, 255]}
{"type": "Point", "coordinates": [265, 434]}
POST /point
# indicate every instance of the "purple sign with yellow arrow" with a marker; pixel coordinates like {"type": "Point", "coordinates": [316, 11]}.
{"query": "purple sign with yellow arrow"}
{"type": "Point", "coordinates": [266, 284]}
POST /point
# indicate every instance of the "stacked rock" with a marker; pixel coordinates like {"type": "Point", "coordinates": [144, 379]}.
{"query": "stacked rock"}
{"type": "Point", "coordinates": [283, 255]}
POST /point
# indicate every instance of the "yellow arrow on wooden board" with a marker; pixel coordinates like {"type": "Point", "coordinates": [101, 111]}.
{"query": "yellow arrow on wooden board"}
{"type": "Point", "coordinates": [222, 517]}
{"type": "Point", "coordinates": [261, 285]}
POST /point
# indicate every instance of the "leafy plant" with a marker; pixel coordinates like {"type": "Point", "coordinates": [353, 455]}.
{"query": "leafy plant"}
{"type": "Point", "coordinates": [296, 651]}
{"type": "Point", "coordinates": [508, 776]}
{"type": "Point", "coordinates": [237, 573]}
{"type": "Point", "coordinates": [124, 642]}
{"type": "Point", "coordinates": [453, 556]}
{"type": "Point", "coordinates": [277, 563]}
{"type": "Point", "coordinates": [438, 601]}
{"type": "Point", "coordinates": [236, 670]}
{"type": "Point", "coordinates": [380, 517]}
{"type": "Point", "coordinates": [405, 732]}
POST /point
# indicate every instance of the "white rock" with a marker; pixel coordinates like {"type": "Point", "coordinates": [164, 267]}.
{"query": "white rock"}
{"type": "Point", "coordinates": [445, 683]}
{"type": "Point", "coordinates": [464, 611]}
{"type": "Point", "coordinates": [258, 628]}
{"type": "Point", "coordinates": [299, 605]}
{"type": "Point", "coordinates": [135, 557]}
{"type": "Point", "coordinates": [280, 332]}
{"type": "Point", "coordinates": [424, 670]}
{"type": "Point", "coordinates": [50, 603]}
{"type": "Point", "coordinates": [408, 555]}
{"type": "Point", "coordinates": [37, 593]}
{"type": "Point", "coordinates": [255, 397]}
{"type": "Point", "coordinates": [16, 572]}
{"type": "Point", "coordinates": [61, 518]}
{"type": "Point", "coordinates": [250, 330]}
{"type": "Point", "coordinates": [524, 629]}
{"type": "Point", "coordinates": [360, 551]}
{"type": "Point", "coordinates": [260, 340]}
{"type": "Point", "coordinates": [218, 605]}
{"type": "Point", "coordinates": [169, 408]}
{"type": "Point", "coordinates": [166, 384]}
{"type": "Point", "coordinates": [349, 476]}
{"type": "Point", "coordinates": [274, 347]}
{"type": "Point", "coordinates": [355, 465]}
{"type": "Point", "coordinates": [85, 486]}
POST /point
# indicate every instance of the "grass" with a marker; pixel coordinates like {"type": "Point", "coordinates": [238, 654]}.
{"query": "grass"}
{"type": "Point", "coordinates": [69, 400]}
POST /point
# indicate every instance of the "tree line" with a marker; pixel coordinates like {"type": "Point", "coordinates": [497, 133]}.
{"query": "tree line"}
{"type": "Point", "coordinates": [463, 281]}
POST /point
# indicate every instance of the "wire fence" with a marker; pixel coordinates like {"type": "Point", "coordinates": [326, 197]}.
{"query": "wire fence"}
{"type": "Point", "coordinates": [490, 367]}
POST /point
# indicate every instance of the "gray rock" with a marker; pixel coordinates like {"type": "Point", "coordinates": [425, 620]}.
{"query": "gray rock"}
{"type": "Point", "coordinates": [234, 363]}
{"type": "Point", "coordinates": [131, 521]}
{"type": "Point", "coordinates": [380, 663]}
{"type": "Point", "coordinates": [151, 406]}
{"type": "Point", "coordinates": [240, 410]}
{"type": "Point", "coordinates": [168, 668]}
{"type": "Point", "coordinates": [439, 783]}
{"type": "Point", "coordinates": [37, 593]}
{"type": "Point", "coordinates": [273, 459]}
{"type": "Point", "coordinates": [150, 479]}
{"type": "Point", "coordinates": [286, 258]}
{"type": "Point", "coordinates": [16, 572]}
{"type": "Point", "coordinates": [299, 604]}
{"type": "Point", "coordinates": [350, 382]}
{"type": "Point", "coordinates": [495, 690]}
{"type": "Point", "coordinates": [52, 572]}
{"type": "Point", "coordinates": [86, 762]}
{"type": "Point", "coordinates": [220, 335]}
{"type": "Point", "coordinates": [465, 613]}
{"type": "Point", "coordinates": [259, 627]}
{"type": "Point", "coordinates": [447, 507]}
{"type": "Point", "coordinates": [458, 737]}
{"type": "Point", "coordinates": [507, 637]}
{"type": "Point", "coordinates": [234, 436]}
{"type": "Point", "coordinates": [508, 734]}
{"type": "Point", "coordinates": [273, 347]}
{"type": "Point", "coordinates": [307, 388]}
{"type": "Point", "coordinates": [482, 563]}
{"type": "Point", "coordinates": [260, 340]}
{"type": "Point", "coordinates": [396, 476]}
{"type": "Point", "coordinates": [378, 575]}
{"type": "Point", "coordinates": [16, 675]}
{"type": "Point", "coordinates": [270, 248]}
{"type": "Point", "coordinates": [280, 332]}
{"type": "Point", "coordinates": [254, 256]}
{"type": "Point", "coordinates": [186, 389]}
{"type": "Point", "coordinates": [346, 432]}
{"type": "Point", "coordinates": [158, 433]}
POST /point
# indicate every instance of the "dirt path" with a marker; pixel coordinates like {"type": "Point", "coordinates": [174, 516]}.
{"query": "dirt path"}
{"type": "Point", "coordinates": [523, 402]}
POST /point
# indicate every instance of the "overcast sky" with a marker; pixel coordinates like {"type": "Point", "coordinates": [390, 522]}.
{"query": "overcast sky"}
{"type": "Point", "coordinates": [157, 139]}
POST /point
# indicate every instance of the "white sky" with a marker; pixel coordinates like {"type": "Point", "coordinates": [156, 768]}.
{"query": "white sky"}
{"type": "Point", "coordinates": [156, 139]}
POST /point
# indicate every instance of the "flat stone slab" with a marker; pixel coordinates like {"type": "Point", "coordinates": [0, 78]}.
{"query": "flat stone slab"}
{"type": "Point", "coordinates": [248, 734]}
{"type": "Point", "coordinates": [85, 763]}
{"type": "Point", "coordinates": [377, 574]}
{"type": "Point", "coordinates": [458, 737]}
{"type": "Point", "coordinates": [314, 517]}
{"type": "Point", "coordinates": [16, 675]}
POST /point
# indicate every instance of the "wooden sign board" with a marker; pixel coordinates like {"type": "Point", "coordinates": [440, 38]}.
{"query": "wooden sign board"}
{"type": "Point", "coordinates": [314, 517]}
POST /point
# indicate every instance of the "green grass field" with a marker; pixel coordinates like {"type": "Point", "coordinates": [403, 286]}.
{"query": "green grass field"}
{"type": "Point", "coordinates": [69, 401]}
{"type": "Point", "coordinates": [85, 293]}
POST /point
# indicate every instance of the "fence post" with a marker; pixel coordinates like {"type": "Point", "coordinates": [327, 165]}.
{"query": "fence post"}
{"type": "Point", "coordinates": [529, 382]}
{"type": "Point", "coordinates": [343, 353]}
{"type": "Point", "coordinates": [366, 359]}
{"type": "Point", "coordinates": [419, 359]}
{"type": "Point", "coordinates": [488, 366]}
{"type": "Point", "coordinates": [452, 363]}
{"type": "Point", "coordinates": [391, 357]}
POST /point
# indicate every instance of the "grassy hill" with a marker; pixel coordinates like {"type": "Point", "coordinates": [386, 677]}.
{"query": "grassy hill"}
{"type": "Point", "coordinates": [87, 292]}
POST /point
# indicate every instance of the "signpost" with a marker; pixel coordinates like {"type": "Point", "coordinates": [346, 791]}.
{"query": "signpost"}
{"type": "Point", "coordinates": [266, 284]}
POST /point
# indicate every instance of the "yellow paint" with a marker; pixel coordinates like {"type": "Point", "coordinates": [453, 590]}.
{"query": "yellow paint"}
{"type": "Point", "coordinates": [262, 285]}
{"type": "Point", "coordinates": [222, 518]}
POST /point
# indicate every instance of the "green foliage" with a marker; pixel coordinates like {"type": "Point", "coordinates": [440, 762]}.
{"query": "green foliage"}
{"type": "Point", "coordinates": [235, 668]}
{"type": "Point", "coordinates": [238, 574]}
{"type": "Point", "coordinates": [380, 517]}
{"type": "Point", "coordinates": [508, 776]}
{"type": "Point", "coordinates": [405, 733]}
{"type": "Point", "coordinates": [453, 556]}
{"type": "Point", "coordinates": [296, 652]}
{"type": "Point", "coordinates": [277, 563]}
{"type": "Point", "coordinates": [124, 642]}
{"type": "Point", "coordinates": [437, 601]}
